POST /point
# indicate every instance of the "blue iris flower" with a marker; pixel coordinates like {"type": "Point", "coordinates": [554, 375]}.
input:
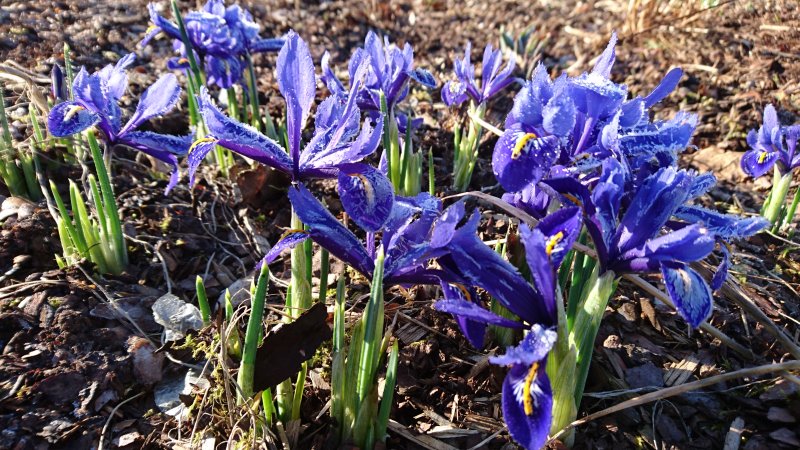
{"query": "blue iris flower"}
{"type": "Point", "coordinates": [96, 102]}
{"type": "Point", "coordinates": [220, 37]}
{"type": "Point", "coordinates": [570, 125]}
{"type": "Point", "coordinates": [493, 79]}
{"type": "Point", "coordinates": [527, 397]}
{"type": "Point", "coordinates": [634, 229]}
{"type": "Point", "coordinates": [772, 144]}
{"type": "Point", "coordinates": [335, 150]}
{"type": "Point", "coordinates": [391, 70]}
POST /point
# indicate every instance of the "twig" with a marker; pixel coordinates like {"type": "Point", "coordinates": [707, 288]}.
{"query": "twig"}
{"type": "Point", "coordinates": [682, 389]}
{"type": "Point", "coordinates": [735, 292]}
{"type": "Point", "coordinates": [111, 416]}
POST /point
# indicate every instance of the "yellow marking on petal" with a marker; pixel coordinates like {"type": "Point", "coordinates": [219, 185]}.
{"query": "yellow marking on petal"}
{"type": "Point", "coordinates": [527, 397]}
{"type": "Point", "coordinates": [151, 28]}
{"type": "Point", "coordinates": [201, 141]}
{"type": "Point", "coordinates": [464, 291]}
{"type": "Point", "coordinates": [368, 189]}
{"type": "Point", "coordinates": [573, 199]}
{"type": "Point", "coordinates": [74, 109]}
{"type": "Point", "coordinates": [762, 157]}
{"type": "Point", "coordinates": [520, 146]}
{"type": "Point", "coordinates": [553, 241]}
{"type": "Point", "coordinates": [183, 61]}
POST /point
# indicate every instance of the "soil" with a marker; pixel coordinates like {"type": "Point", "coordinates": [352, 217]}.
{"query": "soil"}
{"type": "Point", "coordinates": [70, 365]}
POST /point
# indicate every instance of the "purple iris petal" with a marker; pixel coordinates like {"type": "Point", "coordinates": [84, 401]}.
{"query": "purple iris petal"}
{"type": "Point", "coordinates": [654, 203]}
{"type": "Point", "coordinates": [163, 147]}
{"type": "Point", "coordinates": [558, 115]}
{"type": "Point", "coordinates": [560, 230]}
{"type": "Point", "coordinates": [474, 312]}
{"type": "Point", "coordinates": [701, 184]}
{"type": "Point", "coordinates": [690, 243]}
{"type": "Point", "coordinates": [454, 93]}
{"type": "Point", "coordinates": [527, 396]}
{"type": "Point", "coordinates": [689, 291]}
{"type": "Point", "coordinates": [481, 266]}
{"type": "Point", "coordinates": [607, 197]}
{"type": "Point", "coordinates": [297, 83]}
{"type": "Point", "coordinates": [366, 194]}
{"type": "Point", "coordinates": [156, 100]}
{"type": "Point", "coordinates": [606, 60]}
{"type": "Point", "coordinates": [444, 228]}
{"type": "Point", "coordinates": [460, 304]}
{"type": "Point", "coordinates": [721, 274]}
{"type": "Point", "coordinates": [724, 226]}
{"type": "Point", "coordinates": [529, 430]}
{"type": "Point", "coordinates": [534, 347]}
{"type": "Point", "coordinates": [159, 24]}
{"type": "Point", "coordinates": [68, 118]}
{"type": "Point", "coordinates": [329, 77]}
{"type": "Point", "coordinates": [597, 96]}
{"type": "Point", "coordinates": [521, 158]}
{"type": "Point", "coordinates": [328, 232]}
{"type": "Point", "coordinates": [267, 45]}
{"type": "Point", "coordinates": [115, 77]}
{"type": "Point", "coordinates": [241, 138]}
{"type": "Point", "coordinates": [290, 239]}
{"type": "Point", "coordinates": [223, 71]}
{"type": "Point", "coordinates": [666, 136]}
{"type": "Point", "coordinates": [664, 88]}
{"type": "Point", "coordinates": [531, 199]}
{"type": "Point", "coordinates": [759, 161]}
{"type": "Point", "coordinates": [531, 99]}
{"type": "Point", "coordinates": [542, 270]}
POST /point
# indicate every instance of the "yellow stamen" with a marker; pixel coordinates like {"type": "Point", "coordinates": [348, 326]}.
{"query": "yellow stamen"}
{"type": "Point", "coordinates": [527, 397]}
{"type": "Point", "coordinates": [464, 291]}
{"type": "Point", "coordinates": [521, 144]}
{"type": "Point", "coordinates": [204, 140]}
{"type": "Point", "coordinates": [74, 109]}
{"type": "Point", "coordinates": [553, 241]}
{"type": "Point", "coordinates": [762, 157]}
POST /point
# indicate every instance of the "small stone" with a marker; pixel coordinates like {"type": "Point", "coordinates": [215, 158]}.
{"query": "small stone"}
{"type": "Point", "coordinates": [786, 436]}
{"type": "Point", "coordinates": [777, 414]}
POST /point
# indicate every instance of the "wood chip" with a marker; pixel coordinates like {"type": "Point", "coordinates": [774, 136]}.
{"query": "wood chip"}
{"type": "Point", "coordinates": [679, 373]}
{"type": "Point", "coordinates": [410, 333]}
{"type": "Point", "coordinates": [422, 440]}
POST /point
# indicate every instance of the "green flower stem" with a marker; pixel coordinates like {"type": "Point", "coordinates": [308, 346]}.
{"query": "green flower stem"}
{"type": "Point", "coordinates": [388, 394]}
{"type": "Point", "coordinates": [788, 218]}
{"type": "Point", "coordinates": [561, 369]}
{"type": "Point", "coordinates": [251, 338]}
{"type": "Point", "coordinates": [108, 206]}
{"type": "Point", "coordinates": [466, 149]}
{"type": "Point", "coordinates": [268, 405]}
{"type": "Point", "coordinates": [777, 197]}
{"type": "Point", "coordinates": [373, 327]}
{"type": "Point", "coordinates": [599, 289]}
